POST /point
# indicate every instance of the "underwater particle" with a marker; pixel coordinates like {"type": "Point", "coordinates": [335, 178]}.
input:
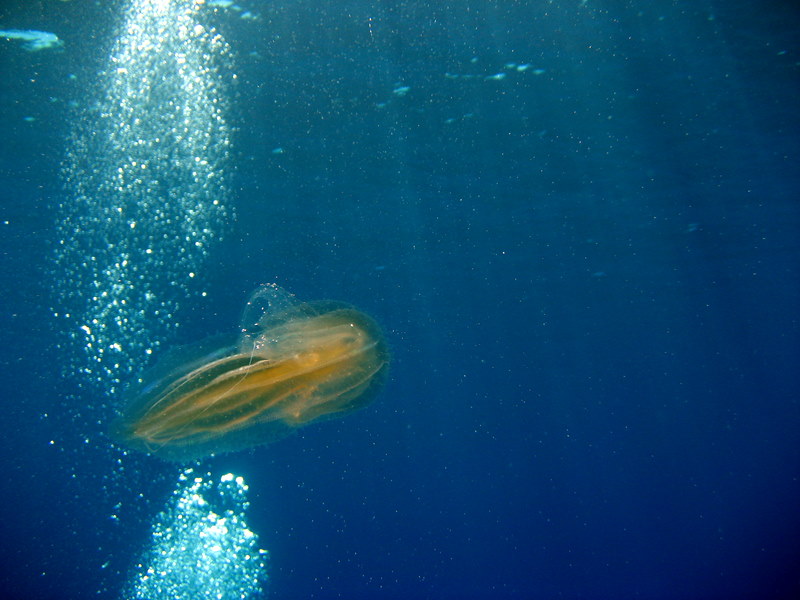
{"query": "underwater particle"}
{"type": "Point", "coordinates": [32, 40]}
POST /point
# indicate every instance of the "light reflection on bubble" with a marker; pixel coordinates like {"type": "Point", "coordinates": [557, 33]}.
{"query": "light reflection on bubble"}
{"type": "Point", "coordinates": [200, 545]}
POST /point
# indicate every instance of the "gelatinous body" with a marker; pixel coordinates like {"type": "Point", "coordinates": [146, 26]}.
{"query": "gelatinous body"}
{"type": "Point", "coordinates": [292, 365]}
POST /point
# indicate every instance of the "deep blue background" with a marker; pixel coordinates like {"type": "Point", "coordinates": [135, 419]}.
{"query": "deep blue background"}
{"type": "Point", "coordinates": [588, 278]}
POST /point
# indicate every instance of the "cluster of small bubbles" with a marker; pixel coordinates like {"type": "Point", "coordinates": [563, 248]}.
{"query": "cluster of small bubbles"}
{"type": "Point", "coordinates": [146, 190]}
{"type": "Point", "coordinates": [146, 196]}
{"type": "Point", "coordinates": [201, 546]}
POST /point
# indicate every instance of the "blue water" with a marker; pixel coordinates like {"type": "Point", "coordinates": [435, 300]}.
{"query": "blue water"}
{"type": "Point", "coordinates": [578, 227]}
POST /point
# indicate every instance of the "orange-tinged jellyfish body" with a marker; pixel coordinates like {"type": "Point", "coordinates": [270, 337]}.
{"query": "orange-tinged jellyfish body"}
{"type": "Point", "coordinates": [295, 364]}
